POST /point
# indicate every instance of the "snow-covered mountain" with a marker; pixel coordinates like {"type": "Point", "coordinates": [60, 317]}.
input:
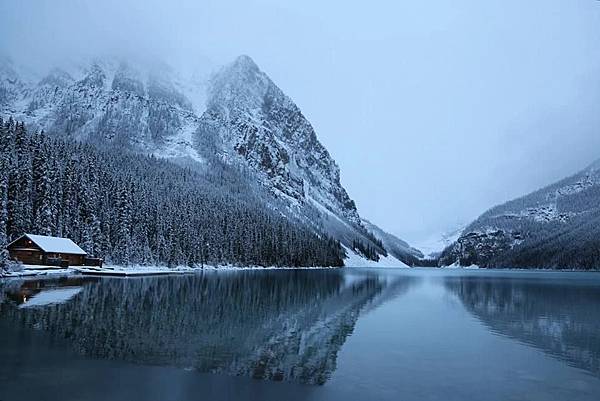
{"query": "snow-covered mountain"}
{"type": "Point", "coordinates": [106, 102]}
{"type": "Point", "coordinates": [256, 123]}
{"type": "Point", "coordinates": [396, 247]}
{"type": "Point", "coordinates": [554, 227]}
{"type": "Point", "coordinates": [235, 115]}
{"type": "Point", "coordinates": [433, 245]}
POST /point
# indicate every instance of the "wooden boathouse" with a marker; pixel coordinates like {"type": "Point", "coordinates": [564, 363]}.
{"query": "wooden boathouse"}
{"type": "Point", "coordinates": [52, 251]}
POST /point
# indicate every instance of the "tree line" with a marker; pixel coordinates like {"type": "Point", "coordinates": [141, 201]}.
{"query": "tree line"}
{"type": "Point", "coordinates": [136, 209]}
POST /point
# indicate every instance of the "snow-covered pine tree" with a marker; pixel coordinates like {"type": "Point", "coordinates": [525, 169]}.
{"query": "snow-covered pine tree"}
{"type": "Point", "coordinates": [131, 208]}
{"type": "Point", "coordinates": [42, 201]}
{"type": "Point", "coordinates": [3, 211]}
{"type": "Point", "coordinates": [19, 184]}
{"type": "Point", "coordinates": [123, 230]}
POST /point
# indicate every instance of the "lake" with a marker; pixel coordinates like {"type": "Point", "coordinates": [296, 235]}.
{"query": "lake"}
{"type": "Point", "coordinates": [348, 334]}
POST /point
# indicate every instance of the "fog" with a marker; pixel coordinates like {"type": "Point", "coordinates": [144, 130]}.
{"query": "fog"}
{"type": "Point", "coordinates": [435, 111]}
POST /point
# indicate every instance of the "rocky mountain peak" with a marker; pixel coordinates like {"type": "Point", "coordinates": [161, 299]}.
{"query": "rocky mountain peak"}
{"type": "Point", "coordinates": [266, 130]}
{"type": "Point", "coordinates": [10, 83]}
{"type": "Point", "coordinates": [127, 79]}
{"type": "Point", "coordinates": [240, 85]}
{"type": "Point", "coordinates": [245, 62]}
{"type": "Point", "coordinates": [57, 77]}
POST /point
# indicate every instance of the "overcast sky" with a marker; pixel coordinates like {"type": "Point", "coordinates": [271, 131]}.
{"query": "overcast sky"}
{"type": "Point", "coordinates": [434, 110]}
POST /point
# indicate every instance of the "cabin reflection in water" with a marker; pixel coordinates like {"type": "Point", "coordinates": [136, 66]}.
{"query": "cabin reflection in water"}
{"type": "Point", "coordinates": [23, 292]}
{"type": "Point", "coordinates": [266, 325]}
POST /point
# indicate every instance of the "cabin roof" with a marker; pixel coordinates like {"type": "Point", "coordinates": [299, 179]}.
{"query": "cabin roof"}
{"type": "Point", "coordinates": [54, 244]}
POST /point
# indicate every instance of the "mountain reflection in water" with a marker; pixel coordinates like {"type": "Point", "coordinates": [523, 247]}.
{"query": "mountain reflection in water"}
{"type": "Point", "coordinates": [545, 314]}
{"type": "Point", "coordinates": [266, 325]}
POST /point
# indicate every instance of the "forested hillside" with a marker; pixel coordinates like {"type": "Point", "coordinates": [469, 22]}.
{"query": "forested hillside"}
{"type": "Point", "coordinates": [234, 119]}
{"type": "Point", "coordinates": [554, 227]}
{"type": "Point", "coordinates": [130, 208]}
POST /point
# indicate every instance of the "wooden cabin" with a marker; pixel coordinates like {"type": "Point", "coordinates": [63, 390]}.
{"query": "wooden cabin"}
{"type": "Point", "coordinates": [33, 249]}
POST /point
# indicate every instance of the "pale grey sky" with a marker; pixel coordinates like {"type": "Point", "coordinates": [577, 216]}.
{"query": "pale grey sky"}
{"type": "Point", "coordinates": [434, 110]}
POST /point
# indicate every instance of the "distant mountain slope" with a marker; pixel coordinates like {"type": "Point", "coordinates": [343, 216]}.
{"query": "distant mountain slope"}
{"type": "Point", "coordinates": [109, 103]}
{"type": "Point", "coordinates": [433, 246]}
{"type": "Point", "coordinates": [555, 227]}
{"type": "Point", "coordinates": [395, 246]}
{"type": "Point", "coordinates": [236, 116]}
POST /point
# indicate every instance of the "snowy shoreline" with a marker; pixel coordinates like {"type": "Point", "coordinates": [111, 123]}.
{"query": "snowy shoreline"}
{"type": "Point", "coordinates": [140, 271]}
{"type": "Point", "coordinates": [137, 271]}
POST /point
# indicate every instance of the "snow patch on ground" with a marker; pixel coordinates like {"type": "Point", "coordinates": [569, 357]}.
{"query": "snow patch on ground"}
{"type": "Point", "coordinates": [355, 260]}
{"type": "Point", "coordinates": [137, 270]}
{"type": "Point", "coordinates": [577, 187]}
{"type": "Point", "coordinates": [326, 211]}
{"type": "Point", "coordinates": [542, 214]}
{"type": "Point", "coordinates": [233, 268]}
{"type": "Point", "coordinates": [457, 266]}
{"type": "Point", "coordinates": [132, 270]}
{"type": "Point", "coordinates": [37, 270]}
{"type": "Point", "coordinates": [198, 268]}
{"type": "Point", "coordinates": [182, 144]}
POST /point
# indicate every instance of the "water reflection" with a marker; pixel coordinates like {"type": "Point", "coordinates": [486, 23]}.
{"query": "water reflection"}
{"type": "Point", "coordinates": [266, 325]}
{"type": "Point", "coordinates": [559, 318]}
{"type": "Point", "coordinates": [29, 293]}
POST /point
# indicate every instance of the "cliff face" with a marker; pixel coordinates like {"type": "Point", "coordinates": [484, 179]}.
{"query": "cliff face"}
{"type": "Point", "coordinates": [257, 124]}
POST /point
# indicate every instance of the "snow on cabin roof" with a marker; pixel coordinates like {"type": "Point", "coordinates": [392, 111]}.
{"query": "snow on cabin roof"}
{"type": "Point", "coordinates": [56, 244]}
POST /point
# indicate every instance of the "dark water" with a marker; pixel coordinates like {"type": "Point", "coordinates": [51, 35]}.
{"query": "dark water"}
{"type": "Point", "coordinates": [348, 334]}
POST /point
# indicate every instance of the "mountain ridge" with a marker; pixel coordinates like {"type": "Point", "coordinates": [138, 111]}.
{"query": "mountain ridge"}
{"type": "Point", "coordinates": [244, 120]}
{"type": "Point", "coordinates": [556, 226]}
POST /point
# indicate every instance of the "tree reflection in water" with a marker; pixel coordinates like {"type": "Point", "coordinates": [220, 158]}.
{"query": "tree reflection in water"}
{"type": "Point", "coordinates": [275, 325]}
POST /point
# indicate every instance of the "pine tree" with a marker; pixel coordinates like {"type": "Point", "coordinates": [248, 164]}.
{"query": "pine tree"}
{"type": "Point", "coordinates": [19, 185]}
{"type": "Point", "coordinates": [42, 201]}
{"type": "Point", "coordinates": [123, 222]}
{"type": "Point", "coordinates": [3, 212]}
{"type": "Point", "coordinates": [69, 200]}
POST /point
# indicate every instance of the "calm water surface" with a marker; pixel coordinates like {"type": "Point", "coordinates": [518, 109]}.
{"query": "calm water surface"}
{"type": "Point", "coordinates": [349, 334]}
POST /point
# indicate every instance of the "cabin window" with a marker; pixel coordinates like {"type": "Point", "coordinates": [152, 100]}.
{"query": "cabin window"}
{"type": "Point", "coordinates": [41, 257]}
